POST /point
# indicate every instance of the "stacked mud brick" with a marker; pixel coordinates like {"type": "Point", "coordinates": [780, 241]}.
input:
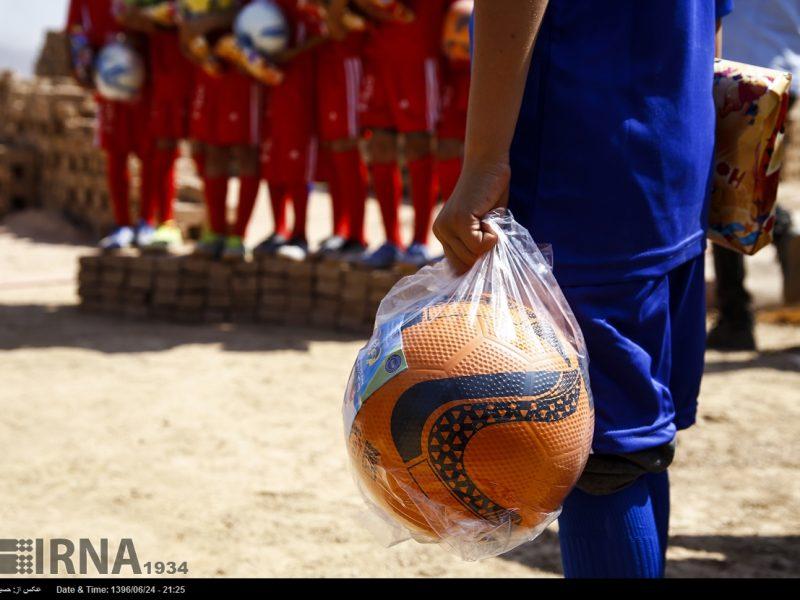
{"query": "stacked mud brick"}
{"type": "Point", "coordinates": [325, 294]}
{"type": "Point", "coordinates": [5, 183]}
{"type": "Point", "coordinates": [19, 159]}
{"type": "Point", "coordinates": [51, 123]}
{"type": "Point", "coordinates": [48, 157]}
{"type": "Point", "coordinates": [54, 60]}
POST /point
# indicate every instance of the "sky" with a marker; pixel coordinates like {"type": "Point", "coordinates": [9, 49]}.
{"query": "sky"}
{"type": "Point", "coordinates": [22, 27]}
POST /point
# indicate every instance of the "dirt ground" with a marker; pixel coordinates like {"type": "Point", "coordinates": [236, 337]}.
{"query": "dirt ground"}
{"type": "Point", "coordinates": [222, 445]}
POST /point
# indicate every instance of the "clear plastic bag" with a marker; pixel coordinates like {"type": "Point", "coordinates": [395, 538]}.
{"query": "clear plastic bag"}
{"type": "Point", "coordinates": [468, 414]}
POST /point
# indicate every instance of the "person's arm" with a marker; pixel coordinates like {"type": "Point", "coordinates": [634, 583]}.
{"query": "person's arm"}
{"type": "Point", "coordinates": [134, 19]}
{"type": "Point", "coordinates": [290, 54]}
{"type": "Point", "coordinates": [718, 40]}
{"type": "Point", "coordinates": [204, 24]}
{"type": "Point", "coordinates": [505, 32]}
{"type": "Point", "coordinates": [335, 19]}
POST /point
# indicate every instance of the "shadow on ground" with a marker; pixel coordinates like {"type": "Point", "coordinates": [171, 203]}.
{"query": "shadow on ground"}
{"type": "Point", "coordinates": [44, 227]}
{"type": "Point", "coordinates": [785, 359]}
{"type": "Point", "coordinates": [692, 555]}
{"type": "Point", "coordinates": [37, 326]}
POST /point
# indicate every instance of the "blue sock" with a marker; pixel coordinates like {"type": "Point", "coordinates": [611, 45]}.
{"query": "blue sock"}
{"type": "Point", "coordinates": [618, 535]}
{"type": "Point", "coordinates": [658, 484]}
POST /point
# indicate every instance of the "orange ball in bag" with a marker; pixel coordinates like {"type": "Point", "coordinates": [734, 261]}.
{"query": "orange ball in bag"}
{"type": "Point", "coordinates": [474, 420]}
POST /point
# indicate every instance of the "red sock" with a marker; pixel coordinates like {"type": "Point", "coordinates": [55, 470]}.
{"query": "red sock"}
{"type": "Point", "coordinates": [299, 194]}
{"type": "Point", "coordinates": [351, 174]}
{"type": "Point", "coordinates": [163, 161]}
{"type": "Point", "coordinates": [338, 202]}
{"type": "Point", "coordinates": [167, 208]}
{"type": "Point", "coordinates": [423, 196]}
{"type": "Point", "coordinates": [338, 198]}
{"type": "Point", "coordinates": [216, 193]}
{"type": "Point", "coordinates": [148, 191]}
{"type": "Point", "coordinates": [248, 191]}
{"type": "Point", "coordinates": [448, 170]}
{"type": "Point", "coordinates": [386, 181]}
{"type": "Point", "coordinates": [278, 202]}
{"type": "Point", "coordinates": [117, 177]}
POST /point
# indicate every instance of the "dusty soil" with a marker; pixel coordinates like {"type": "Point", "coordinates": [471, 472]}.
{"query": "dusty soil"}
{"type": "Point", "coordinates": [222, 445]}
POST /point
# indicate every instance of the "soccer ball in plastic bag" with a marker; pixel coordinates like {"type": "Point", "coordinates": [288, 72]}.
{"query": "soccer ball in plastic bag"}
{"type": "Point", "coordinates": [119, 72]}
{"type": "Point", "coordinates": [468, 415]}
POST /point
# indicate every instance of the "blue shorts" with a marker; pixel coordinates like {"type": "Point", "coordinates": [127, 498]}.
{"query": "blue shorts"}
{"type": "Point", "coordinates": [646, 341]}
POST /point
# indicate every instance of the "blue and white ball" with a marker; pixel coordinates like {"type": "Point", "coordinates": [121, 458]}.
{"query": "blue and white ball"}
{"type": "Point", "coordinates": [119, 72]}
{"type": "Point", "coordinates": [261, 25]}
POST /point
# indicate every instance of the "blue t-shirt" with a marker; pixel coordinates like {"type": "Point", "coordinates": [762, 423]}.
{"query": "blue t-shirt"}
{"type": "Point", "coordinates": [612, 155]}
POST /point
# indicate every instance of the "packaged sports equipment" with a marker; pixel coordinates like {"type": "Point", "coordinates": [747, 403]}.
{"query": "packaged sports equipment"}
{"type": "Point", "coordinates": [261, 25]}
{"type": "Point", "coordinates": [189, 9]}
{"type": "Point", "coordinates": [455, 37]}
{"type": "Point", "coordinates": [81, 56]}
{"type": "Point", "coordinates": [199, 47]}
{"type": "Point", "coordinates": [248, 60]}
{"type": "Point", "coordinates": [119, 72]}
{"type": "Point", "coordinates": [160, 12]}
{"type": "Point", "coordinates": [468, 415]}
{"type": "Point", "coordinates": [751, 103]}
{"type": "Point", "coordinates": [385, 10]}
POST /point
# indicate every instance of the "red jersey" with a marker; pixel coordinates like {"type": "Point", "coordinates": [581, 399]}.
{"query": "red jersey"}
{"type": "Point", "coordinates": [288, 154]}
{"type": "Point", "coordinates": [172, 73]}
{"type": "Point", "coordinates": [421, 38]}
{"type": "Point", "coordinates": [303, 19]}
{"type": "Point", "coordinates": [95, 18]}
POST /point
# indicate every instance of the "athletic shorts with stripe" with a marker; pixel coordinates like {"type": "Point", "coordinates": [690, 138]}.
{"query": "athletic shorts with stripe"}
{"type": "Point", "coordinates": [226, 110]}
{"type": "Point", "coordinates": [400, 93]}
{"type": "Point", "coordinates": [339, 73]}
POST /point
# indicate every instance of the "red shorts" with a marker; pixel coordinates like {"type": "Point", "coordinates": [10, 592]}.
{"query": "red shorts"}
{"type": "Point", "coordinates": [169, 120]}
{"type": "Point", "coordinates": [338, 84]}
{"type": "Point", "coordinates": [400, 93]}
{"type": "Point", "coordinates": [226, 110]}
{"type": "Point", "coordinates": [455, 98]}
{"type": "Point", "coordinates": [289, 152]}
{"type": "Point", "coordinates": [122, 126]}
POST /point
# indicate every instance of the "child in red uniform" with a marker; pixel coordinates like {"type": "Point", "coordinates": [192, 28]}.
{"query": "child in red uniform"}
{"type": "Point", "coordinates": [171, 78]}
{"type": "Point", "coordinates": [453, 124]}
{"type": "Point", "coordinates": [120, 128]}
{"type": "Point", "coordinates": [338, 82]}
{"type": "Point", "coordinates": [224, 122]}
{"type": "Point", "coordinates": [289, 152]}
{"type": "Point", "coordinates": [401, 96]}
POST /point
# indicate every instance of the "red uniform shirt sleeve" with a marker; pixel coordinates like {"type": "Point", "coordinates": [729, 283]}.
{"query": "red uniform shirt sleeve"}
{"type": "Point", "coordinates": [303, 19]}
{"type": "Point", "coordinates": [96, 19]}
{"type": "Point", "coordinates": [75, 14]}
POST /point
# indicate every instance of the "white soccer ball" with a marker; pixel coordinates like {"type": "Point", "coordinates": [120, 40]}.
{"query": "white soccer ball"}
{"type": "Point", "coordinates": [119, 72]}
{"type": "Point", "coordinates": [261, 25]}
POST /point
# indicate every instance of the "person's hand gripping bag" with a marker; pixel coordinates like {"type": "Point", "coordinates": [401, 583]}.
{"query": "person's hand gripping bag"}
{"type": "Point", "coordinates": [468, 415]}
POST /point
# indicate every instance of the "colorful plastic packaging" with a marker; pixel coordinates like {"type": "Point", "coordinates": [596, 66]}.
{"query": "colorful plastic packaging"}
{"type": "Point", "coordinates": [751, 107]}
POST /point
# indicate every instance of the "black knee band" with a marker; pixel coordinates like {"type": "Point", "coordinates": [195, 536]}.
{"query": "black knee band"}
{"type": "Point", "coordinates": [609, 473]}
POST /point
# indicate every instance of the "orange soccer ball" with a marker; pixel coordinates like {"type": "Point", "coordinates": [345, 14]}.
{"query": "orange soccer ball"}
{"type": "Point", "coordinates": [485, 425]}
{"type": "Point", "coordinates": [455, 37]}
